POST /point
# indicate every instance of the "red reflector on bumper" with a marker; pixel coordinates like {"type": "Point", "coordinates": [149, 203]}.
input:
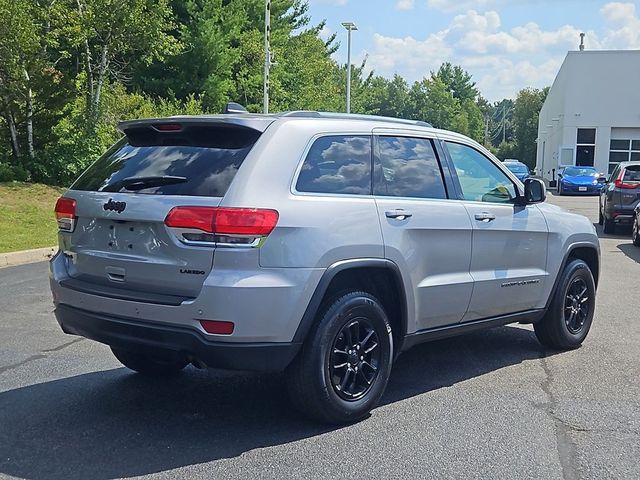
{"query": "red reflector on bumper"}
{"type": "Point", "coordinates": [217, 326]}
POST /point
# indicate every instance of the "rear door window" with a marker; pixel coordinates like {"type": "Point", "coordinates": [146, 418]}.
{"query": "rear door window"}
{"type": "Point", "coordinates": [196, 161]}
{"type": "Point", "coordinates": [409, 168]}
{"type": "Point", "coordinates": [337, 164]}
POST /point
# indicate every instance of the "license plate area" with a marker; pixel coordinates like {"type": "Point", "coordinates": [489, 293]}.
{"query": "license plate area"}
{"type": "Point", "coordinates": [582, 189]}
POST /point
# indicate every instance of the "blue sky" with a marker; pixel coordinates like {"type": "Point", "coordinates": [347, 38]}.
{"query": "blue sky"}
{"type": "Point", "coordinates": [506, 45]}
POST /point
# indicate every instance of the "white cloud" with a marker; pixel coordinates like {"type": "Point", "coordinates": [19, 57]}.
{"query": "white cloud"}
{"type": "Point", "coordinates": [405, 4]}
{"type": "Point", "coordinates": [622, 25]}
{"type": "Point", "coordinates": [450, 6]}
{"type": "Point", "coordinates": [325, 33]}
{"type": "Point", "coordinates": [501, 61]}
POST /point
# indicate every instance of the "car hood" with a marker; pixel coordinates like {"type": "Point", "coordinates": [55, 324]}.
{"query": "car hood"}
{"type": "Point", "coordinates": [580, 180]}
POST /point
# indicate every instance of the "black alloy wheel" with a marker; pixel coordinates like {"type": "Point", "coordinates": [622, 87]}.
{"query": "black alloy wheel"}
{"type": "Point", "coordinates": [355, 359]}
{"type": "Point", "coordinates": [576, 305]}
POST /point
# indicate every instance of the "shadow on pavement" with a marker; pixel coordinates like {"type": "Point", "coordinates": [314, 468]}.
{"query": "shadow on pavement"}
{"type": "Point", "coordinates": [630, 250]}
{"type": "Point", "coordinates": [623, 232]}
{"type": "Point", "coordinates": [115, 423]}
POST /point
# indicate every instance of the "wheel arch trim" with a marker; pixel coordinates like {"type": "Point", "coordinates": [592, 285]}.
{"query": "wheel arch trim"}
{"type": "Point", "coordinates": [570, 249]}
{"type": "Point", "coordinates": [331, 272]}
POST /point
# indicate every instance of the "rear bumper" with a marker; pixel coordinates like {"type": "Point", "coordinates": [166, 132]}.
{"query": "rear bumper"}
{"type": "Point", "coordinates": [622, 215]}
{"type": "Point", "coordinates": [176, 341]}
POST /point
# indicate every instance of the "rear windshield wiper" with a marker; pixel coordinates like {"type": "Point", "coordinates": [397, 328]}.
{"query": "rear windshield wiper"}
{"type": "Point", "coordinates": [140, 183]}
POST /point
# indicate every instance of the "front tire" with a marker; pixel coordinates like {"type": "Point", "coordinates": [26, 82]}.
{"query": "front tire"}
{"type": "Point", "coordinates": [568, 320]}
{"type": "Point", "coordinates": [600, 216]}
{"type": "Point", "coordinates": [635, 233]}
{"type": "Point", "coordinates": [344, 366]}
{"type": "Point", "coordinates": [147, 365]}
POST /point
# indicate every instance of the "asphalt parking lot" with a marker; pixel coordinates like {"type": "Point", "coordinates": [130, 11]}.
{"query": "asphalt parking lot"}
{"type": "Point", "coordinates": [490, 405]}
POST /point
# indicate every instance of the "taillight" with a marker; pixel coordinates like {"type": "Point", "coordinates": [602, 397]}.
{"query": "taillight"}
{"type": "Point", "coordinates": [621, 184]}
{"type": "Point", "coordinates": [237, 226]}
{"type": "Point", "coordinates": [66, 214]}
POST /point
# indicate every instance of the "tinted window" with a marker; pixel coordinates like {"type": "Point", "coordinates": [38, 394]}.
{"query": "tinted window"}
{"type": "Point", "coordinates": [337, 164]}
{"type": "Point", "coordinates": [204, 159]}
{"type": "Point", "coordinates": [635, 145]}
{"type": "Point", "coordinates": [480, 179]}
{"type": "Point", "coordinates": [618, 156]}
{"type": "Point", "coordinates": [586, 136]}
{"type": "Point", "coordinates": [613, 173]}
{"type": "Point", "coordinates": [619, 144]}
{"type": "Point", "coordinates": [409, 169]}
{"type": "Point", "coordinates": [632, 174]}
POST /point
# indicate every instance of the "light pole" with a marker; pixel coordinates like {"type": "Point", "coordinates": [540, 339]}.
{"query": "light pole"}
{"type": "Point", "coordinates": [350, 26]}
{"type": "Point", "coordinates": [267, 53]}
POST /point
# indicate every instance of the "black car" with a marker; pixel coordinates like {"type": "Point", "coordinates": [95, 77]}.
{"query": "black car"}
{"type": "Point", "coordinates": [620, 196]}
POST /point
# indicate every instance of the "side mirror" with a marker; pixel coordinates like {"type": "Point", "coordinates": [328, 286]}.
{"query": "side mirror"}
{"type": "Point", "coordinates": [535, 191]}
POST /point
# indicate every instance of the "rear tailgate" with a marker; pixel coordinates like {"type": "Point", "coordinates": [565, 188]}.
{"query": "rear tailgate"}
{"type": "Point", "coordinates": [120, 242]}
{"type": "Point", "coordinates": [630, 186]}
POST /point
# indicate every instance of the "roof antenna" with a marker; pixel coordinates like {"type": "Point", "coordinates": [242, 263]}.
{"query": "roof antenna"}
{"type": "Point", "coordinates": [582, 42]}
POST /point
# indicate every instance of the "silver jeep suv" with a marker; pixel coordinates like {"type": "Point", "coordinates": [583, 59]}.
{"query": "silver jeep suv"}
{"type": "Point", "coordinates": [320, 244]}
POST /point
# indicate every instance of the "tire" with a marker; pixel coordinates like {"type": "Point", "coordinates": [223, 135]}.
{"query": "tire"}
{"type": "Point", "coordinates": [635, 233]}
{"type": "Point", "coordinates": [147, 365]}
{"type": "Point", "coordinates": [326, 385]}
{"type": "Point", "coordinates": [608, 226]}
{"type": "Point", "coordinates": [600, 216]}
{"type": "Point", "coordinates": [562, 328]}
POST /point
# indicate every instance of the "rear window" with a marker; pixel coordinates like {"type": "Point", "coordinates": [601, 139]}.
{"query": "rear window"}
{"type": "Point", "coordinates": [632, 174]}
{"type": "Point", "coordinates": [196, 161]}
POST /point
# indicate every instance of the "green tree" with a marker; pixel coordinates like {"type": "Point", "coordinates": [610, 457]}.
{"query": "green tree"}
{"type": "Point", "coordinates": [525, 118]}
{"type": "Point", "coordinates": [115, 33]}
{"type": "Point", "coordinates": [458, 81]}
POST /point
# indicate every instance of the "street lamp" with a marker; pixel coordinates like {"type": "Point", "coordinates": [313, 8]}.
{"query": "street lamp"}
{"type": "Point", "coordinates": [350, 26]}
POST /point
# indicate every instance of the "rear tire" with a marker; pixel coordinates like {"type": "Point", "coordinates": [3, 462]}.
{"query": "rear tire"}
{"type": "Point", "coordinates": [147, 365]}
{"type": "Point", "coordinates": [569, 317]}
{"type": "Point", "coordinates": [344, 366]}
{"type": "Point", "coordinates": [609, 226]}
{"type": "Point", "coordinates": [600, 216]}
{"type": "Point", "coordinates": [635, 233]}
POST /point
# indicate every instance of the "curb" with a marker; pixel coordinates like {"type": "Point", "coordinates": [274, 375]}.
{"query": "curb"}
{"type": "Point", "coordinates": [13, 259]}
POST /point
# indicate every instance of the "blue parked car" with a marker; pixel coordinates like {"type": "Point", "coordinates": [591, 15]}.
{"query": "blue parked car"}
{"type": "Point", "coordinates": [580, 180]}
{"type": "Point", "coordinates": [519, 169]}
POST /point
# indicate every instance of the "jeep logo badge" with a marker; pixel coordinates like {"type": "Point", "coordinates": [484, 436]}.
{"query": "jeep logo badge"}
{"type": "Point", "coordinates": [115, 206]}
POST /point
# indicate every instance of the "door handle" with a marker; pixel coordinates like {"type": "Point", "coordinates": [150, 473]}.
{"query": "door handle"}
{"type": "Point", "coordinates": [398, 214]}
{"type": "Point", "coordinates": [485, 217]}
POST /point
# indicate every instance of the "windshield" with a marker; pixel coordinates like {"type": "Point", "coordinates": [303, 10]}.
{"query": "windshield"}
{"type": "Point", "coordinates": [580, 172]}
{"type": "Point", "coordinates": [515, 168]}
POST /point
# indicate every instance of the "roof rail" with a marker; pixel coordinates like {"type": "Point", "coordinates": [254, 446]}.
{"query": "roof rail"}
{"type": "Point", "coordinates": [352, 116]}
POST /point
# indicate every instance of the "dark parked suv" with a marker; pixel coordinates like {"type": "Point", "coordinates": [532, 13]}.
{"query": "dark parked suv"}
{"type": "Point", "coordinates": [620, 196]}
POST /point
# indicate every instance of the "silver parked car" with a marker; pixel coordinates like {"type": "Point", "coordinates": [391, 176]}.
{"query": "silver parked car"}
{"type": "Point", "coordinates": [318, 244]}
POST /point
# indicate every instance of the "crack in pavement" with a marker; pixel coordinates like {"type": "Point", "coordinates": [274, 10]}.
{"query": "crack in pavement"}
{"type": "Point", "coordinates": [40, 356]}
{"type": "Point", "coordinates": [64, 345]}
{"type": "Point", "coordinates": [566, 447]}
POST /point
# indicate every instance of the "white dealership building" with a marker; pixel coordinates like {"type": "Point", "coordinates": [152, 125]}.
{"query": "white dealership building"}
{"type": "Point", "coordinates": [592, 113]}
